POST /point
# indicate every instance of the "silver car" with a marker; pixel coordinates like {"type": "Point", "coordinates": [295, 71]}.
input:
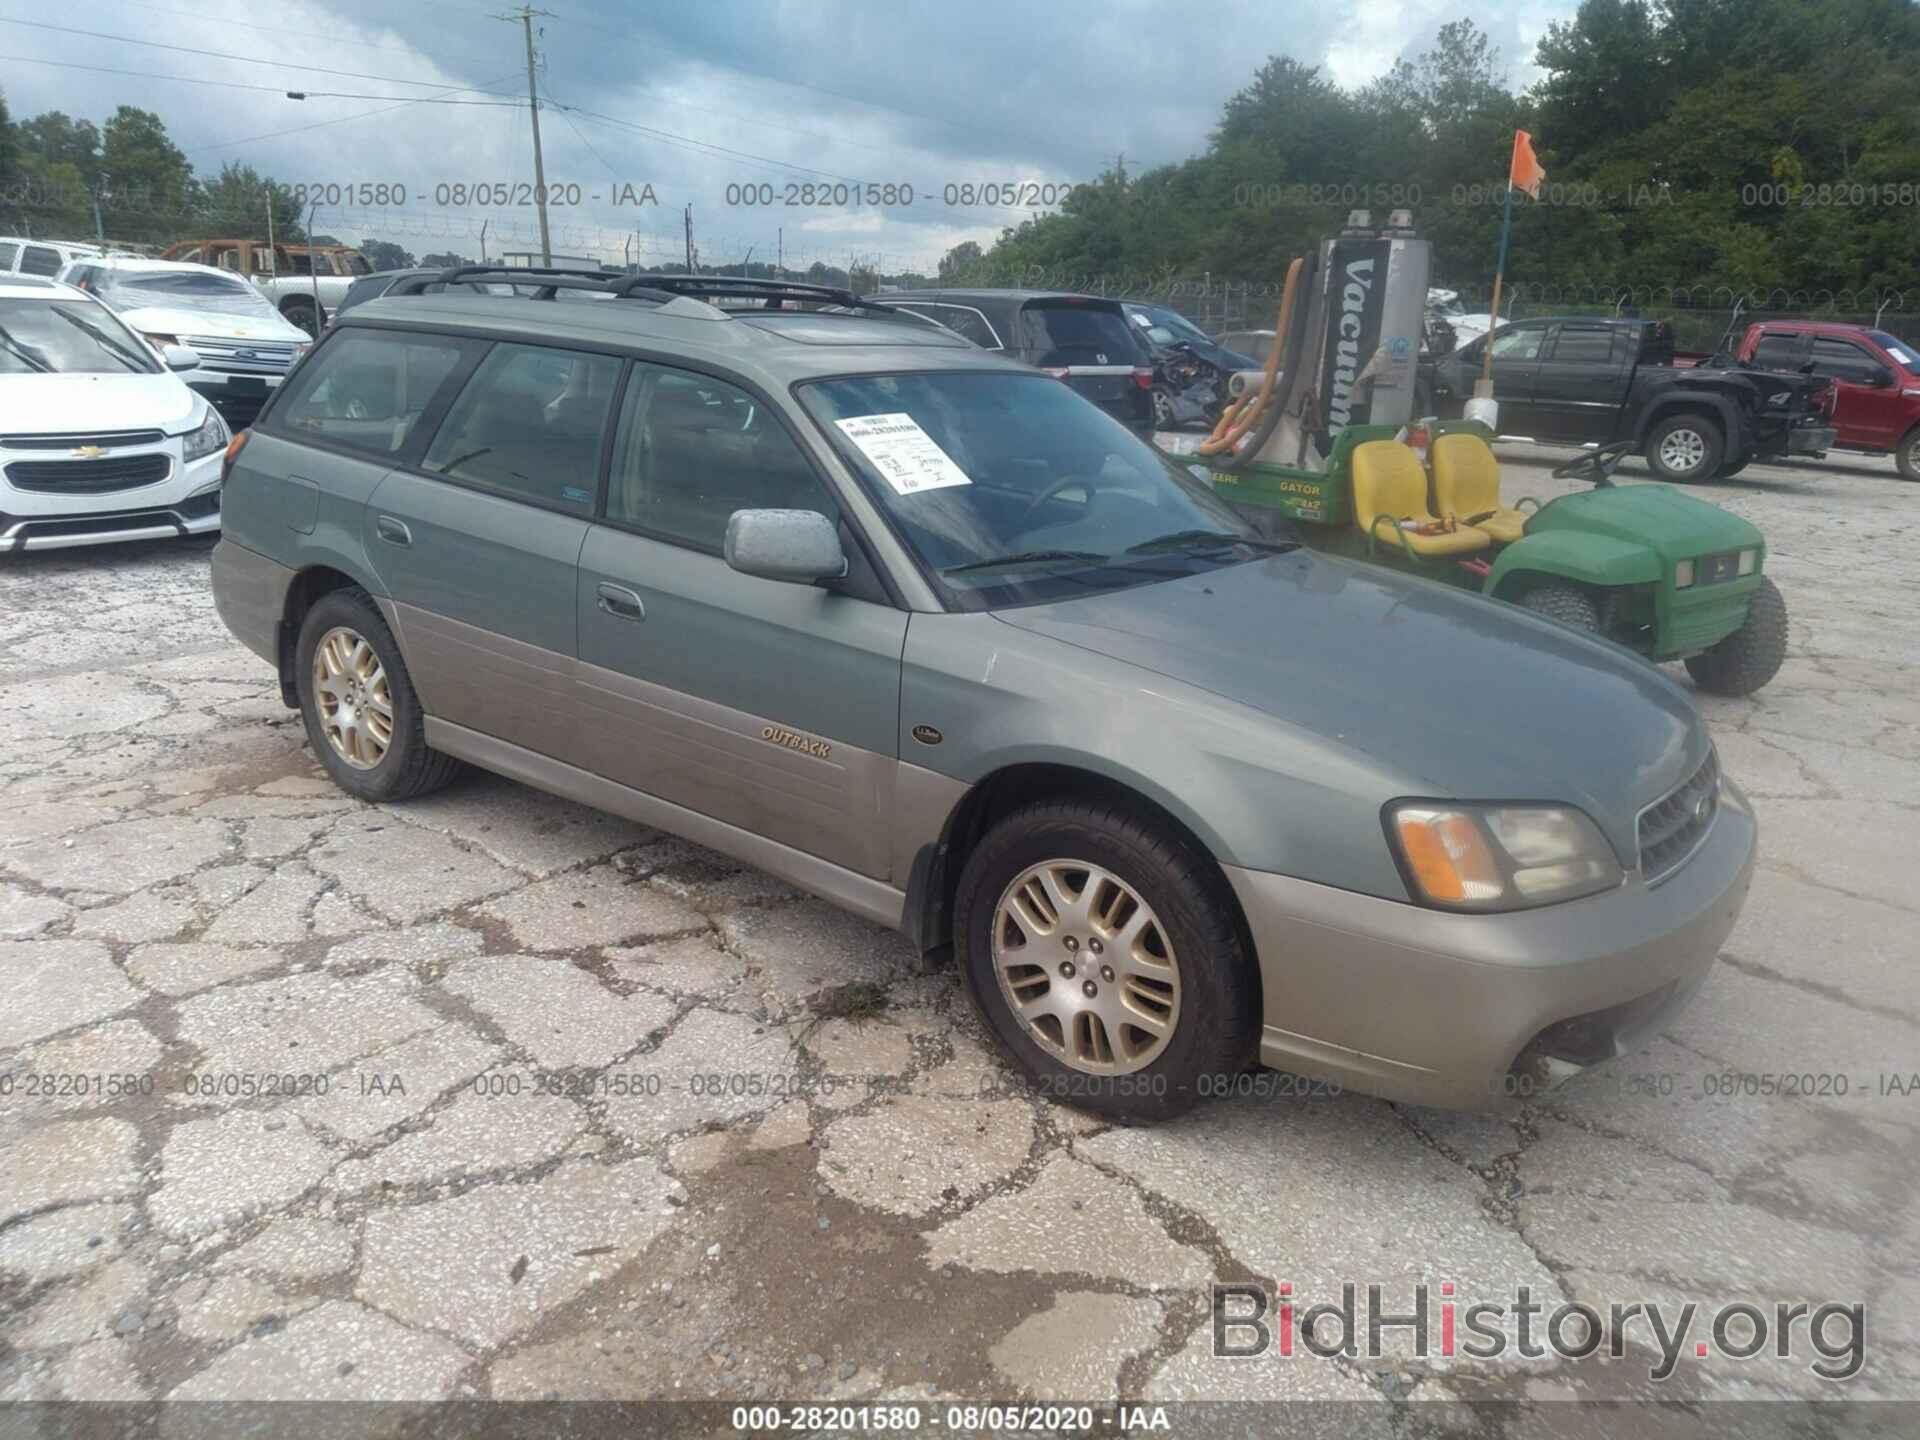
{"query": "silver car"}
{"type": "Point", "coordinates": [923, 632]}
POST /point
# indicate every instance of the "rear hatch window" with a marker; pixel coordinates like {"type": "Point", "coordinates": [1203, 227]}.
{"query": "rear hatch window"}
{"type": "Point", "coordinates": [1091, 342]}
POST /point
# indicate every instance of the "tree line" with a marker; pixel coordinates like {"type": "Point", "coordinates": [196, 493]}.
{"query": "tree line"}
{"type": "Point", "coordinates": [1747, 143]}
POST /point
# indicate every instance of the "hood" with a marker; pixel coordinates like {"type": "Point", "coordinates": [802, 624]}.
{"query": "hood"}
{"type": "Point", "coordinates": [88, 404]}
{"type": "Point", "coordinates": [1674, 524]}
{"type": "Point", "coordinates": [1449, 694]}
{"type": "Point", "coordinates": [215, 324]}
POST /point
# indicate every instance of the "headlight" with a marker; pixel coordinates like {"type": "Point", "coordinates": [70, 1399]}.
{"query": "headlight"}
{"type": "Point", "coordinates": [1499, 857]}
{"type": "Point", "coordinates": [1749, 561]}
{"type": "Point", "coordinates": [1682, 574]}
{"type": "Point", "coordinates": [211, 436]}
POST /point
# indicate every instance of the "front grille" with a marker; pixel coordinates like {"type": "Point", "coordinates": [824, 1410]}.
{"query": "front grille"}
{"type": "Point", "coordinates": [241, 357]}
{"type": "Point", "coordinates": [88, 477]}
{"type": "Point", "coordinates": [106, 440]}
{"type": "Point", "coordinates": [1671, 829]}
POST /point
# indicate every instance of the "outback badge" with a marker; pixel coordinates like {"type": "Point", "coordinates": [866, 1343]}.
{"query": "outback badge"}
{"type": "Point", "coordinates": [780, 735]}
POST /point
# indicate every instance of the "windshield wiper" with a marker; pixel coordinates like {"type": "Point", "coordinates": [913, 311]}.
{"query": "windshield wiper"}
{"type": "Point", "coordinates": [1211, 540]}
{"type": "Point", "coordinates": [1022, 557]}
{"type": "Point", "coordinates": [106, 341]}
{"type": "Point", "coordinates": [14, 347]}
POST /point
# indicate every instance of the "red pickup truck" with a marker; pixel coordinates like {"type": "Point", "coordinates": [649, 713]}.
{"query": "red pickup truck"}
{"type": "Point", "coordinates": [1876, 406]}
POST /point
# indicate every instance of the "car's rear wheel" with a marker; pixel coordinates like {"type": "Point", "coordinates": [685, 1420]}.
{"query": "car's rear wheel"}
{"type": "Point", "coordinates": [363, 718]}
{"type": "Point", "coordinates": [1106, 957]}
{"type": "Point", "coordinates": [1907, 457]}
{"type": "Point", "coordinates": [1563, 601]}
{"type": "Point", "coordinates": [304, 315]}
{"type": "Point", "coordinates": [1752, 655]}
{"type": "Point", "coordinates": [1734, 467]}
{"type": "Point", "coordinates": [1685, 448]}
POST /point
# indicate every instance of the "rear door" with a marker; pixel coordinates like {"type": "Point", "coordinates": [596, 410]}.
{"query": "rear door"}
{"type": "Point", "coordinates": [1868, 409]}
{"type": "Point", "coordinates": [1580, 381]}
{"type": "Point", "coordinates": [769, 706]}
{"type": "Point", "coordinates": [1090, 345]}
{"type": "Point", "coordinates": [478, 541]}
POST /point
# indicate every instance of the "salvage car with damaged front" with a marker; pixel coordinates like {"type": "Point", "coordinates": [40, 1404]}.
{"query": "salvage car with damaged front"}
{"type": "Point", "coordinates": [926, 633]}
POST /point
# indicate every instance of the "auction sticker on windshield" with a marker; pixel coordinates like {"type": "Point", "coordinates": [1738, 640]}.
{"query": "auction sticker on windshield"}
{"type": "Point", "coordinates": [906, 456]}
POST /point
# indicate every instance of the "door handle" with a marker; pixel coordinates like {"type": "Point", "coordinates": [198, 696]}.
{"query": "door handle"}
{"type": "Point", "coordinates": [392, 531]}
{"type": "Point", "coordinates": [621, 603]}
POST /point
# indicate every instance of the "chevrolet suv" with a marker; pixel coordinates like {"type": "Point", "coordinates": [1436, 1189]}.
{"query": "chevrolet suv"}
{"type": "Point", "coordinates": [922, 631]}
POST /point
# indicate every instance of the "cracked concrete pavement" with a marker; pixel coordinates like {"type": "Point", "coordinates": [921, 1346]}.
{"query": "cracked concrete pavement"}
{"type": "Point", "coordinates": [493, 1096]}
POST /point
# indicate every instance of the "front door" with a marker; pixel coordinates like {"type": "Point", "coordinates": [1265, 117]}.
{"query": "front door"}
{"type": "Point", "coordinates": [770, 706]}
{"type": "Point", "coordinates": [1868, 409]}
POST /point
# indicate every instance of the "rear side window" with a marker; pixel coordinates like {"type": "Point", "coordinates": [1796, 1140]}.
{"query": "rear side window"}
{"type": "Point", "coordinates": [529, 423]}
{"type": "Point", "coordinates": [39, 260]}
{"type": "Point", "coordinates": [1066, 333]}
{"type": "Point", "coordinates": [367, 389]}
{"type": "Point", "coordinates": [963, 320]}
{"type": "Point", "coordinates": [8, 254]}
{"type": "Point", "coordinates": [1780, 350]}
{"type": "Point", "coordinates": [1583, 345]}
{"type": "Point", "coordinates": [1522, 342]}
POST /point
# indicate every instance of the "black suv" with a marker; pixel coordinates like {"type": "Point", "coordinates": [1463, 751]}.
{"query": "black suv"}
{"type": "Point", "coordinates": [1082, 339]}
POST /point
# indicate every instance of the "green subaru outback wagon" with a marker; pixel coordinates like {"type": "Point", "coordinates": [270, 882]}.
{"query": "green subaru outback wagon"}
{"type": "Point", "coordinates": [920, 630]}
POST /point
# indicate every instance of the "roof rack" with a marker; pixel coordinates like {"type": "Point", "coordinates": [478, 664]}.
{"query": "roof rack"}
{"type": "Point", "coordinates": [544, 280]}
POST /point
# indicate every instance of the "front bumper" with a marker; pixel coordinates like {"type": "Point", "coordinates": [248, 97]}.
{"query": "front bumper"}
{"type": "Point", "coordinates": [186, 502]}
{"type": "Point", "coordinates": [1434, 1008]}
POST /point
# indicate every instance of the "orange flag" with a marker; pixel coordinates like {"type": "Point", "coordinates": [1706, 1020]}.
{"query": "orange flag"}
{"type": "Point", "coordinates": [1526, 173]}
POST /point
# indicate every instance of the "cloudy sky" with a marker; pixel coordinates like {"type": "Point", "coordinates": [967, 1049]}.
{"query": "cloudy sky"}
{"type": "Point", "coordinates": [706, 101]}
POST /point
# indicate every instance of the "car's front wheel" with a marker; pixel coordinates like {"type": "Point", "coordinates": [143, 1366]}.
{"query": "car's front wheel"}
{"type": "Point", "coordinates": [363, 718]}
{"type": "Point", "coordinates": [1907, 457]}
{"type": "Point", "coordinates": [1106, 957]}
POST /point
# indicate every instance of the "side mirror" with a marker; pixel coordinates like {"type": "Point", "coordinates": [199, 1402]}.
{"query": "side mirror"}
{"type": "Point", "coordinates": [180, 357]}
{"type": "Point", "coordinates": [797, 546]}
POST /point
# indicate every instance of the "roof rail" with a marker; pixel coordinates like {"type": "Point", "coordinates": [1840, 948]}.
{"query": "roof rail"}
{"type": "Point", "coordinates": [544, 282]}
{"type": "Point", "coordinates": [741, 287]}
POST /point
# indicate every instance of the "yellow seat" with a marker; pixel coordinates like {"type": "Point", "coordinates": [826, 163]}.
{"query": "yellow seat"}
{"type": "Point", "coordinates": [1390, 494]}
{"type": "Point", "coordinates": [1466, 485]}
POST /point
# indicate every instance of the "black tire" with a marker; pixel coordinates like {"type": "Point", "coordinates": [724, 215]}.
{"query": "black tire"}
{"type": "Point", "coordinates": [301, 314]}
{"type": "Point", "coordinates": [1907, 457]}
{"type": "Point", "coordinates": [1733, 467]}
{"type": "Point", "coordinates": [409, 768]}
{"type": "Point", "coordinates": [1711, 446]}
{"type": "Point", "coordinates": [1566, 602]}
{"type": "Point", "coordinates": [1752, 655]}
{"type": "Point", "coordinates": [1217, 1030]}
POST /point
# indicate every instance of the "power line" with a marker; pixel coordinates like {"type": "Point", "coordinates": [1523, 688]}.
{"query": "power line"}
{"type": "Point", "coordinates": [268, 89]}
{"type": "Point", "coordinates": [220, 54]}
{"type": "Point", "coordinates": [338, 120]}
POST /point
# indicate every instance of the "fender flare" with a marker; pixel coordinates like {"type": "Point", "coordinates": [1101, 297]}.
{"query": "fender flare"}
{"type": "Point", "coordinates": [1733, 427]}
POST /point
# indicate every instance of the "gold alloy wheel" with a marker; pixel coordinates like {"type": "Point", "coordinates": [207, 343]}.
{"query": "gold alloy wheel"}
{"type": "Point", "coordinates": [350, 692]}
{"type": "Point", "coordinates": [1086, 967]}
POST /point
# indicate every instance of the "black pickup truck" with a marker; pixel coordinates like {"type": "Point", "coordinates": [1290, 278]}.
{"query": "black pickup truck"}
{"type": "Point", "coordinates": [1581, 380]}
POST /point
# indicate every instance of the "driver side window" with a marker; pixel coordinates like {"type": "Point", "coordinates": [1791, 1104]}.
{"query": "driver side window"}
{"type": "Point", "coordinates": [690, 450]}
{"type": "Point", "coordinates": [1519, 343]}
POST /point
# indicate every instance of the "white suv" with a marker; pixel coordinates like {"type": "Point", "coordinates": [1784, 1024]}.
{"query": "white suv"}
{"type": "Point", "coordinates": [99, 439]}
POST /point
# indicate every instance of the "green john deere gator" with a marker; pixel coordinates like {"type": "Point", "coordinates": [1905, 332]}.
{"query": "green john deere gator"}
{"type": "Point", "coordinates": [1317, 438]}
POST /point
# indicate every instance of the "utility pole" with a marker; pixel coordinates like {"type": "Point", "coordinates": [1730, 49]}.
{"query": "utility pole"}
{"type": "Point", "coordinates": [687, 218]}
{"type": "Point", "coordinates": [525, 16]}
{"type": "Point", "coordinates": [780, 264]}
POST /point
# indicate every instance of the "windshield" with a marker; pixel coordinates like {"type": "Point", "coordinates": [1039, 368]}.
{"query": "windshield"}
{"type": "Point", "coordinates": [182, 290]}
{"type": "Point", "coordinates": [1011, 489]}
{"type": "Point", "coordinates": [67, 337]}
{"type": "Point", "coordinates": [1897, 348]}
{"type": "Point", "coordinates": [1178, 324]}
